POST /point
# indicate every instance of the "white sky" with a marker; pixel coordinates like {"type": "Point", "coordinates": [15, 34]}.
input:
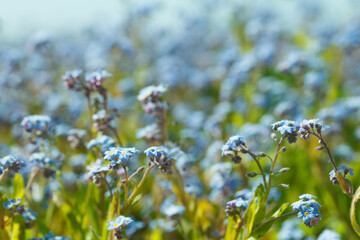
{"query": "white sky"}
{"type": "Point", "coordinates": [19, 18]}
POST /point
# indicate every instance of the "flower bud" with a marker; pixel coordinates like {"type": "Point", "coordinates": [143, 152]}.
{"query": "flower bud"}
{"type": "Point", "coordinates": [283, 149]}
{"type": "Point", "coordinates": [283, 170]}
{"type": "Point", "coordinates": [251, 174]}
{"type": "Point", "coordinates": [321, 142]}
{"type": "Point", "coordinates": [236, 159]}
{"type": "Point", "coordinates": [319, 148]}
{"type": "Point", "coordinates": [140, 169]}
{"type": "Point", "coordinates": [273, 136]}
{"type": "Point", "coordinates": [283, 186]}
{"type": "Point", "coordinates": [261, 154]}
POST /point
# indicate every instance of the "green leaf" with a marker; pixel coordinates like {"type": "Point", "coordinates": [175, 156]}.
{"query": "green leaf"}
{"type": "Point", "coordinates": [264, 229]}
{"type": "Point", "coordinates": [136, 199]}
{"type": "Point", "coordinates": [250, 215]}
{"type": "Point", "coordinates": [230, 230]}
{"type": "Point", "coordinates": [261, 204]}
{"type": "Point", "coordinates": [18, 186]}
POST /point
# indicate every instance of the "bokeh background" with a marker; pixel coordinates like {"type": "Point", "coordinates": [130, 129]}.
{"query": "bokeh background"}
{"type": "Point", "coordinates": [231, 67]}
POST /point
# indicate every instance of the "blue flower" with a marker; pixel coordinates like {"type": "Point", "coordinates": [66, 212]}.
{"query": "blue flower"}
{"type": "Point", "coordinates": [29, 215]}
{"type": "Point", "coordinates": [119, 223]}
{"type": "Point", "coordinates": [342, 169]}
{"type": "Point", "coordinates": [234, 145]}
{"type": "Point", "coordinates": [307, 197]}
{"type": "Point", "coordinates": [307, 209]}
{"type": "Point", "coordinates": [236, 206]}
{"type": "Point", "coordinates": [119, 156]}
{"type": "Point", "coordinates": [12, 202]}
{"type": "Point", "coordinates": [156, 152]}
{"type": "Point", "coordinates": [10, 163]}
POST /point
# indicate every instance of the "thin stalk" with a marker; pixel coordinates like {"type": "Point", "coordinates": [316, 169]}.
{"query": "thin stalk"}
{"type": "Point", "coordinates": [126, 183]}
{"type": "Point", "coordinates": [260, 168]}
{"type": "Point", "coordinates": [274, 219]}
{"type": "Point", "coordinates": [165, 128]}
{"type": "Point", "coordinates": [132, 195]}
{"type": "Point", "coordinates": [108, 185]}
{"type": "Point", "coordinates": [88, 98]}
{"type": "Point", "coordinates": [32, 178]}
{"type": "Point", "coordinates": [273, 165]}
{"type": "Point", "coordinates": [116, 136]}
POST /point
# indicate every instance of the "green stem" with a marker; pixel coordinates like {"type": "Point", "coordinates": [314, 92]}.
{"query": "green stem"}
{"type": "Point", "coordinates": [31, 180]}
{"type": "Point", "coordinates": [274, 219]}
{"type": "Point", "coordinates": [126, 184]}
{"type": "Point", "coordinates": [132, 195]}
{"type": "Point", "coordinates": [260, 168]}
{"type": "Point", "coordinates": [354, 223]}
{"type": "Point", "coordinates": [108, 185]}
{"type": "Point", "coordinates": [273, 165]}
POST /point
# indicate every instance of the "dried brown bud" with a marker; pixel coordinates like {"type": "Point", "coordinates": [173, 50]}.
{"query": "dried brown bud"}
{"type": "Point", "coordinates": [140, 169]}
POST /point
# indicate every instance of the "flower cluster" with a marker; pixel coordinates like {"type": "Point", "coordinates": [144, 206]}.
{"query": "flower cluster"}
{"type": "Point", "coordinates": [118, 225]}
{"type": "Point", "coordinates": [119, 156]}
{"type": "Point", "coordinates": [71, 79]}
{"type": "Point", "coordinates": [102, 120]}
{"type": "Point", "coordinates": [76, 137]}
{"type": "Point", "coordinates": [236, 206]}
{"type": "Point", "coordinates": [341, 169]}
{"type": "Point", "coordinates": [10, 164]}
{"type": "Point", "coordinates": [37, 124]}
{"type": "Point", "coordinates": [288, 129]}
{"type": "Point", "coordinates": [97, 172]}
{"type": "Point", "coordinates": [48, 162]}
{"type": "Point", "coordinates": [152, 103]}
{"type": "Point", "coordinates": [308, 126]}
{"type": "Point", "coordinates": [233, 146]}
{"type": "Point", "coordinates": [160, 157]}
{"type": "Point", "coordinates": [28, 215]}
{"type": "Point", "coordinates": [307, 209]}
{"type": "Point", "coordinates": [94, 80]}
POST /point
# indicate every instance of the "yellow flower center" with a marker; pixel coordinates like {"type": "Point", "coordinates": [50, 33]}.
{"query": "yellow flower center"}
{"type": "Point", "coordinates": [116, 158]}
{"type": "Point", "coordinates": [115, 224]}
{"type": "Point", "coordinates": [111, 153]}
{"type": "Point", "coordinates": [306, 214]}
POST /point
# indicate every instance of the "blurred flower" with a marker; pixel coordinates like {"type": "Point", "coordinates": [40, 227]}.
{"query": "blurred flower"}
{"type": "Point", "coordinates": [29, 215]}
{"type": "Point", "coordinates": [95, 79]}
{"type": "Point", "coordinates": [72, 79]}
{"type": "Point", "coordinates": [105, 142]}
{"type": "Point", "coordinates": [328, 234]}
{"type": "Point", "coordinates": [160, 156]}
{"type": "Point", "coordinates": [12, 202]}
{"type": "Point", "coordinates": [37, 124]}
